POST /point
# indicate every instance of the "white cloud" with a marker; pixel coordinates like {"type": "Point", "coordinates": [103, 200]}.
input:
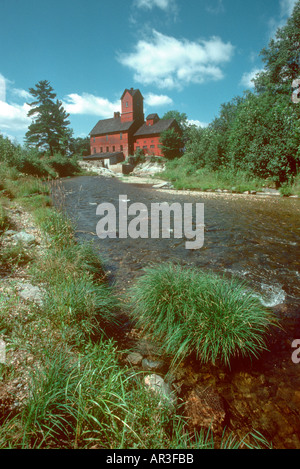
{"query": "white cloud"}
{"type": "Point", "coordinates": [91, 105]}
{"type": "Point", "coordinates": [168, 62]}
{"type": "Point", "coordinates": [149, 4]}
{"type": "Point", "coordinates": [247, 77]}
{"type": "Point", "coordinates": [22, 94]}
{"type": "Point", "coordinates": [197, 123]}
{"type": "Point", "coordinates": [13, 117]}
{"type": "Point", "coordinates": [157, 100]}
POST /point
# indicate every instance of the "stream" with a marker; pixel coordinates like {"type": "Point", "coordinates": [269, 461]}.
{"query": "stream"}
{"type": "Point", "coordinates": [253, 237]}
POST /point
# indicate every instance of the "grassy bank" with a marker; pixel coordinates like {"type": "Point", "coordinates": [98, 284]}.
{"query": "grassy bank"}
{"type": "Point", "coordinates": [64, 383]}
{"type": "Point", "coordinates": [75, 392]}
{"type": "Point", "coordinates": [183, 175]}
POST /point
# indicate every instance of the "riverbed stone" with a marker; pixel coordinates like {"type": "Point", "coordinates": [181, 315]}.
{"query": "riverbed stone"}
{"type": "Point", "coordinates": [164, 390]}
{"type": "Point", "coordinates": [204, 408]}
{"type": "Point", "coordinates": [134, 358]}
{"type": "Point", "coordinates": [150, 365]}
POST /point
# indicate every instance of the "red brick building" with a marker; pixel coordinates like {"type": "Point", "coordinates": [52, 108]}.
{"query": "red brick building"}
{"type": "Point", "coordinates": [127, 132]}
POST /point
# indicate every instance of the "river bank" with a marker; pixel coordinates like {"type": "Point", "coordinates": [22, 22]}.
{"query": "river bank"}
{"type": "Point", "coordinates": [64, 381]}
{"type": "Point", "coordinates": [262, 394]}
{"type": "Point", "coordinates": [153, 174]}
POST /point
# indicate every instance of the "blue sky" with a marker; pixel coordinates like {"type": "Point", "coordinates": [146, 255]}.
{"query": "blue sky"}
{"type": "Point", "coordinates": [187, 55]}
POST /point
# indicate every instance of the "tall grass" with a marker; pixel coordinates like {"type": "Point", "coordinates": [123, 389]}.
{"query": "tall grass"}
{"type": "Point", "coordinates": [185, 175]}
{"type": "Point", "coordinates": [90, 401]}
{"type": "Point", "coordinates": [4, 219]}
{"type": "Point", "coordinates": [190, 311]}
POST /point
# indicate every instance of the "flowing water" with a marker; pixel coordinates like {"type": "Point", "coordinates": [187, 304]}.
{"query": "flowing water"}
{"type": "Point", "coordinates": [253, 237]}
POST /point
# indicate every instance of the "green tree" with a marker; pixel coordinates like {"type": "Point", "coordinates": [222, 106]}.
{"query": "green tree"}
{"type": "Point", "coordinates": [281, 57]}
{"type": "Point", "coordinates": [49, 130]}
{"type": "Point", "coordinates": [171, 143]}
{"type": "Point", "coordinates": [80, 146]}
{"type": "Point", "coordinates": [265, 137]}
{"type": "Point", "coordinates": [180, 117]}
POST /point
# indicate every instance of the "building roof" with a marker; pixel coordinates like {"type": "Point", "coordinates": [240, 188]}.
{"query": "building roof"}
{"type": "Point", "coordinates": [132, 92]}
{"type": "Point", "coordinates": [157, 128]}
{"type": "Point", "coordinates": [103, 156]}
{"type": "Point", "coordinates": [152, 116]}
{"type": "Point", "coordinates": [108, 126]}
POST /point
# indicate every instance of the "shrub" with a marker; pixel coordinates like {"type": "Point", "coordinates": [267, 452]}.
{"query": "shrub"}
{"type": "Point", "coordinates": [188, 311]}
{"type": "Point", "coordinates": [63, 165]}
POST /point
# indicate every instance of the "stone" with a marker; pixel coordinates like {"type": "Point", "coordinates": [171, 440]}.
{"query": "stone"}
{"type": "Point", "coordinates": [134, 358]}
{"type": "Point", "coordinates": [31, 293]}
{"type": "Point", "coordinates": [24, 237]}
{"type": "Point", "coordinates": [163, 184]}
{"type": "Point", "coordinates": [204, 409]}
{"type": "Point", "coordinates": [150, 365]}
{"type": "Point", "coordinates": [164, 390]}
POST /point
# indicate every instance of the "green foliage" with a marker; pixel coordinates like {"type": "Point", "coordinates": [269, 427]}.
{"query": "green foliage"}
{"type": "Point", "coordinates": [49, 129]}
{"type": "Point", "coordinates": [63, 165]}
{"type": "Point", "coordinates": [15, 255]}
{"type": "Point", "coordinates": [180, 117]}
{"type": "Point", "coordinates": [281, 58]}
{"type": "Point", "coordinates": [4, 219]}
{"type": "Point", "coordinates": [171, 143]}
{"type": "Point", "coordinates": [265, 137]}
{"type": "Point", "coordinates": [184, 174]}
{"type": "Point", "coordinates": [188, 311]}
{"type": "Point", "coordinates": [259, 133]}
{"type": "Point", "coordinates": [80, 146]}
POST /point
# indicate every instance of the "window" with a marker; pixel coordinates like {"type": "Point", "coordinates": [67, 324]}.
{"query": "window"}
{"type": "Point", "coordinates": [121, 136]}
{"type": "Point", "coordinates": [126, 104]}
{"type": "Point", "coordinates": [101, 149]}
{"type": "Point", "coordinates": [94, 139]}
{"type": "Point", "coordinates": [107, 138]}
{"type": "Point", "coordinates": [152, 146]}
{"type": "Point", "coordinates": [107, 149]}
{"type": "Point", "coordinates": [145, 146]}
{"type": "Point", "coordinates": [114, 148]}
{"type": "Point", "coordinates": [137, 148]}
{"type": "Point", "coordinates": [94, 150]}
{"type": "Point", "coordinates": [121, 147]}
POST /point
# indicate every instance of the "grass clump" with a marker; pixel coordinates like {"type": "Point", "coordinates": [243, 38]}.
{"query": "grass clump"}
{"type": "Point", "coordinates": [15, 254]}
{"type": "Point", "coordinates": [190, 311]}
{"type": "Point", "coordinates": [4, 220]}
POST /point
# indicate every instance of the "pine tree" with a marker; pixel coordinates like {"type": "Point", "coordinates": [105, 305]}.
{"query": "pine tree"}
{"type": "Point", "coordinates": [49, 130]}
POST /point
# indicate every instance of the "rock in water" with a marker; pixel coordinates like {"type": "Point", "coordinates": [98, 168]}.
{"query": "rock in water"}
{"type": "Point", "coordinates": [204, 408]}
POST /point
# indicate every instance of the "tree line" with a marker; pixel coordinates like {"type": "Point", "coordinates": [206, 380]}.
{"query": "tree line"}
{"type": "Point", "coordinates": [259, 132]}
